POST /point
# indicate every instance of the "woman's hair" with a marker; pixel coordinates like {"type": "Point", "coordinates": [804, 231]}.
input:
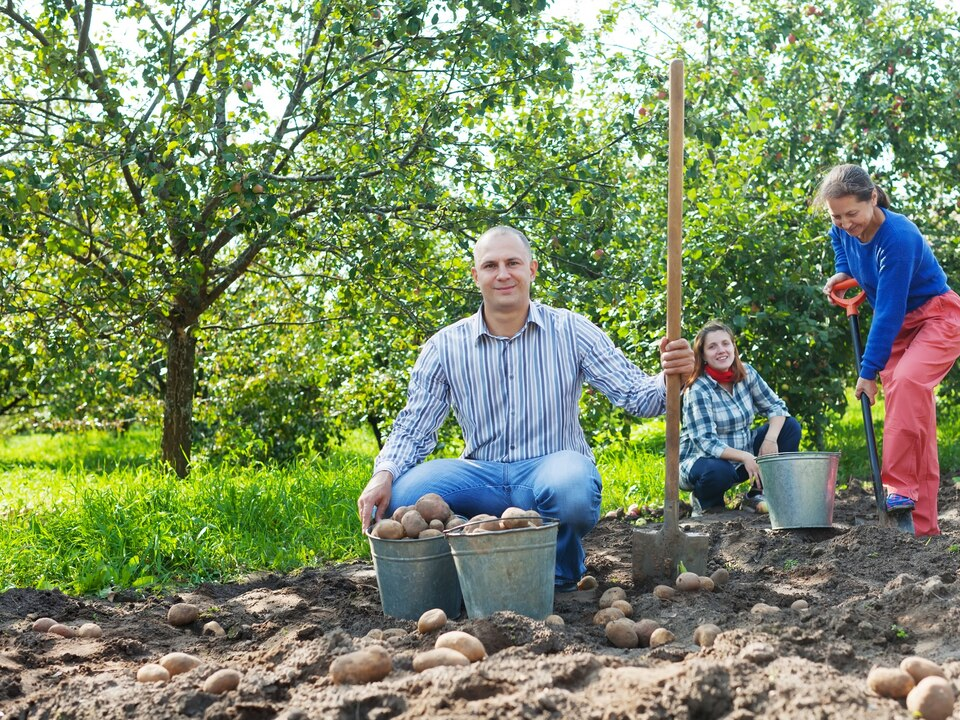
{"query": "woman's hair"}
{"type": "Point", "coordinates": [844, 180]}
{"type": "Point", "coordinates": [700, 364]}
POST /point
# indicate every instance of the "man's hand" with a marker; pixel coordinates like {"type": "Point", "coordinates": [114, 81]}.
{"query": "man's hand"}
{"type": "Point", "coordinates": [676, 357]}
{"type": "Point", "coordinates": [866, 386]}
{"type": "Point", "coordinates": [375, 495]}
{"type": "Point", "coordinates": [833, 280]}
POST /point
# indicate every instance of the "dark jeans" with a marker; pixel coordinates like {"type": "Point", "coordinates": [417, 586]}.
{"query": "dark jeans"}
{"type": "Point", "coordinates": [712, 477]}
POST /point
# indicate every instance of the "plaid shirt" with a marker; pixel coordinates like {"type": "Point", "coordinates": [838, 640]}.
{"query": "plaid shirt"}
{"type": "Point", "coordinates": [714, 419]}
{"type": "Point", "coordinates": [515, 398]}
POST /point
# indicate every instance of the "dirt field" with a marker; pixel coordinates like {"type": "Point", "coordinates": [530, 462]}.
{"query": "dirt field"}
{"type": "Point", "coordinates": [875, 596]}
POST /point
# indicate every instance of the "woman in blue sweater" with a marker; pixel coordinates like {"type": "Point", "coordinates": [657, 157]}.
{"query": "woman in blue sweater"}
{"type": "Point", "coordinates": [914, 337]}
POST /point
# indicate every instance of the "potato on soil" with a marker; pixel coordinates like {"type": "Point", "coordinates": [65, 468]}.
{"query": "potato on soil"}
{"type": "Point", "coordinates": [463, 643]}
{"type": "Point", "coordinates": [181, 614]}
{"type": "Point", "coordinates": [799, 605]}
{"type": "Point", "coordinates": [919, 668]}
{"type": "Point", "coordinates": [622, 633]}
{"type": "Point", "coordinates": [720, 577]}
{"type": "Point", "coordinates": [431, 620]}
{"type": "Point", "coordinates": [214, 628]}
{"type": "Point", "coordinates": [664, 592]}
{"type": "Point", "coordinates": [624, 607]}
{"type": "Point", "coordinates": [587, 582]}
{"type": "Point", "coordinates": [438, 657]}
{"type": "Point", "coordinates": [611, 594]}
{"type": "Point", "coordinates": [932, 698]}
{"type": "Point", "coordinates": [43, 624]}
{"type": "Point", "coordinates": [554, 620]}
{"type": "Point", "coordinates": [608, 614]}
{"type": "Point", "coordinates": [705, 634]}
{"type": "Point", "coordinates": [90, 630]}
{"type": "Point", "coordinates": [661, 636]}
{"type": "Point", "coordinates": [764, 609]}
{"type": "Point", "coordinates": [62, 630]}
{"type": "Point", "coordinates": [153, 673]}
{"type": "Point", "coordinates": [179, 662]}
{"type": "Point", "coordinates": [371, 664]}
{"type": "Point", "coordinates": [221, 681]}
{"type": "Point", "coordinates": [889, 682]}
{"type": "Point", "coordinates": [388, 530]}
{"type": "Point", "coordinates": [688, 582]}
{"type": "Point", "coordinates": [707, 584]}
{"type": "Point", "coordinates": [644, 629]}
{"type": "Point", "coordinates": [413, 524]}
{"type": "Point", "coordinates": [433, 507]}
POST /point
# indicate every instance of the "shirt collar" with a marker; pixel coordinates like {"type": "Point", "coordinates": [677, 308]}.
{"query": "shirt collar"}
{"type": "Point", "coordinates": [535, 315]}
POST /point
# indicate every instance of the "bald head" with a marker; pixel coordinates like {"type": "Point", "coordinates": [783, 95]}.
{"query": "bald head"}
{"type": "Point", "coordinates": [502, 231]}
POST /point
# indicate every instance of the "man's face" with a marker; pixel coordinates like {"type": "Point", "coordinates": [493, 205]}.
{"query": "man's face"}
{"type": "Point", "coordinates": [503, 270]}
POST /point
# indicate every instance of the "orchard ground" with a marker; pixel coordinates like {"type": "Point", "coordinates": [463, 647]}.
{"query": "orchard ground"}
{"type": "Point", "coordinates": [875, 596]}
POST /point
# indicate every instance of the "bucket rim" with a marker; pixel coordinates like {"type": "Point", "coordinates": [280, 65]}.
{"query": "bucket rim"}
{"type": "Point", "coordinates": [812, 455]}
{"type": "Point", "coordinates": [405, 540]}
{"type": "Point", "coordinates": [461, 530]}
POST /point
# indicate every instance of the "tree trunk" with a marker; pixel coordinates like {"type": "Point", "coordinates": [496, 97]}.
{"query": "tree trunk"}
{"type": "Point", "coordinates": [178, 400]}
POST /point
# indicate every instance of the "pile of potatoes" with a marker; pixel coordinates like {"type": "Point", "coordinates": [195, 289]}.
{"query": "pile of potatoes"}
{"type": "Point", "coordinates": [431, 516]}
{"type": "Point", "coordinates": [49, 625]}
{"type": "Point", "coordinates": [691, 582]}
{"type": "Point", "coordinates": [922, 682]}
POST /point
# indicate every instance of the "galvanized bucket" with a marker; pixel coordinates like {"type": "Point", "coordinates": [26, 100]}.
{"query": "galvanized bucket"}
{"type": "Point", "coordinates": [414, 576]}
{"type": "Point", "coordinates": [506, 569]}
{"type": "Point", "coordinates": [799, 488]}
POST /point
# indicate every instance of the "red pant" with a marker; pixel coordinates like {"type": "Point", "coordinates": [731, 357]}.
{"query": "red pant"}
{"type": "Point", "coordinates": [923, 352]}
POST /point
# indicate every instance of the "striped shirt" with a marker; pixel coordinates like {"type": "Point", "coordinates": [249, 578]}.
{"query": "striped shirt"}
{"type": "Point", "coordinates": [515, 398]}
{"type": "Point", "coordinates": [714, 419]}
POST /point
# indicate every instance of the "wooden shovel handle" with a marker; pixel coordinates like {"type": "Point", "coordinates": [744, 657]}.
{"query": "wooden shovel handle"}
{"type": "Point", "coordinates": [674, 290]}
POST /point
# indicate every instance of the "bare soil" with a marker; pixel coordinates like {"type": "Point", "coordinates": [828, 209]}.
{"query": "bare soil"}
{"type": "Point", "coordinates": [875, 597]}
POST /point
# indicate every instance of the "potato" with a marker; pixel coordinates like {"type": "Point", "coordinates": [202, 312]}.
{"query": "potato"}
{"type": "Point", "coordinates": [688, 582]}
{"type": "Point", "coordinates": [391, 633]}
{"type": "Point", "coordinates": [179, 662]}
{"type": "Point", "coordinates": [62, 630]}
{"type": "Point", "coordinates": [429, 533]}
{"type": "Point", "coordinates": [889, 682]}
{"type": "Point", "coordinates": [413, 524]}
{"type": "Point", "coordinates": [644, 629]}
{"type": "Point", "coordinates": [482, 522]}
{"type": "Point", "coordinates": [624, 607]}
{"type": "Point", "coordinates": [705, 634]}
{"type": "Point", "coordinates": [661, 636]}
{"type": "Point", "coordinates": [438, 657]}
{"type": "Point", "coordinates": [221, 681]}
{"type": "Point", "coordinates": [533, 518]}
{"type": "Point", "coordinates": [431, 620]}
{"type": "Point", "coordinates": [388, 530]}
{"type": "Point", "coordinates": [554, 620]}
{"type": "Point", "coordinates": [437, 525]}
{"type": "Point", "coordinates": [90, 630]}
{"type": "Point", "coordinates": [587, 582]}
{"type": "Point", "coordinates": [764, 609]}
{"type": "Point", "coordinates": [463, 643]}
{"type": "Point", "coordinates": [153, 673]}
{"type": "Point", "coordinates": [707, 584]}
{"type": "Point", "coordinates": [181, 614]}
{"type": "Point", "coordinates": [919, 668]}
{"type": "Point", "coordinates": [608, 614]}
{"type": "Point", "coordinates": [455, 521]}
{"type": "Point", "coordinates": [932, 698]}
{"type": "Point", "coordinates": [611, 594]}
{"type": "Point", "coordinates": [664, 592]}
{"type": "Point", "coordinates": [400, 512]}
{"type": "Point", "coordinates": [513, 518]}
{"type": "Point", "coordinates": [43, 624]}
{"type": "Point", "coordinates": [214, 629]}
{"type": "Point", "coordinates": [799, 605]}
{"type": "Point", "coordinates": [371, 664]}
{"type": "Point", "coordinates": [622, 633]}
{"type": "Point", "coordinates": [720, 577]}
{"type": "Point", "coordinates": [433, 507]}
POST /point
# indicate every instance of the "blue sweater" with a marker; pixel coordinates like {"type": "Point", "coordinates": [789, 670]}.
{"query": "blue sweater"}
{"type": "Point", "coordinates": [898, 272]}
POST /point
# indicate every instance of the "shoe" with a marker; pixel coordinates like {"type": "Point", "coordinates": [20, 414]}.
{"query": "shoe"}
{"type": "Point", "coordinates": [899, 503]}
{"type": "Point", "coordinates": [755, 503]}
{"type": "Point", "coordinates": [566, 587]}
{"type": "Point", "coordinates": [697, 510]}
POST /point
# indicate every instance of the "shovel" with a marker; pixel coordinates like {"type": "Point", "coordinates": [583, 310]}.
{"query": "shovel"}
{"type": "Point", "coordinates": [904, 518]}
{"type": "Point", "coordinates": [657, 554]}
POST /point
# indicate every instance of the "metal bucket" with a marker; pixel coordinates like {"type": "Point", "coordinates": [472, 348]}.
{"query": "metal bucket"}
{"type": "Point", "coordinates": [799, 488]}
{"type": "Point", "coordinates": [506, 569]}
{"type": "Point", "coordinates": [415, 576]}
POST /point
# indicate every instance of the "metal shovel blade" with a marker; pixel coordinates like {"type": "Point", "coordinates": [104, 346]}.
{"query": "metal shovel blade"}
{"type": "Point", "coordinates": [658, 553]}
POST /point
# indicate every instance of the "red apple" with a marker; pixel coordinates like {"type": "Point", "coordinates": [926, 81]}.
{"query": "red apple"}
{"type": "Point", "coordinates": [791, 38]}
{"type": "Point", "coordinates": [247, 85]}
{"type": "Point", "coordinates": [598, 253]}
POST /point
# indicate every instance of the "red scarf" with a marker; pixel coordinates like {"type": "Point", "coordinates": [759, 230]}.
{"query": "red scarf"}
{"type": "Point", "coordinates": [721, 376]}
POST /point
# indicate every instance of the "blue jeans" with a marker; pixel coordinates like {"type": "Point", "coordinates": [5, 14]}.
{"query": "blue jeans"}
{"type": "Point", "coordinates": [710, 478]}
{"type": "Point", "coordinates": [564, 485]}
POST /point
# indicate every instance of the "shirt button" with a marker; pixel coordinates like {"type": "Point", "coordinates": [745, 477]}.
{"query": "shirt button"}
{"type": "Point", "coordinates": [513, 447]}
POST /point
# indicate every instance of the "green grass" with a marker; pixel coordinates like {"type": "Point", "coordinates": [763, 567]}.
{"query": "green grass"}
{"type": "Point", "coordinates": [94, 512]}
